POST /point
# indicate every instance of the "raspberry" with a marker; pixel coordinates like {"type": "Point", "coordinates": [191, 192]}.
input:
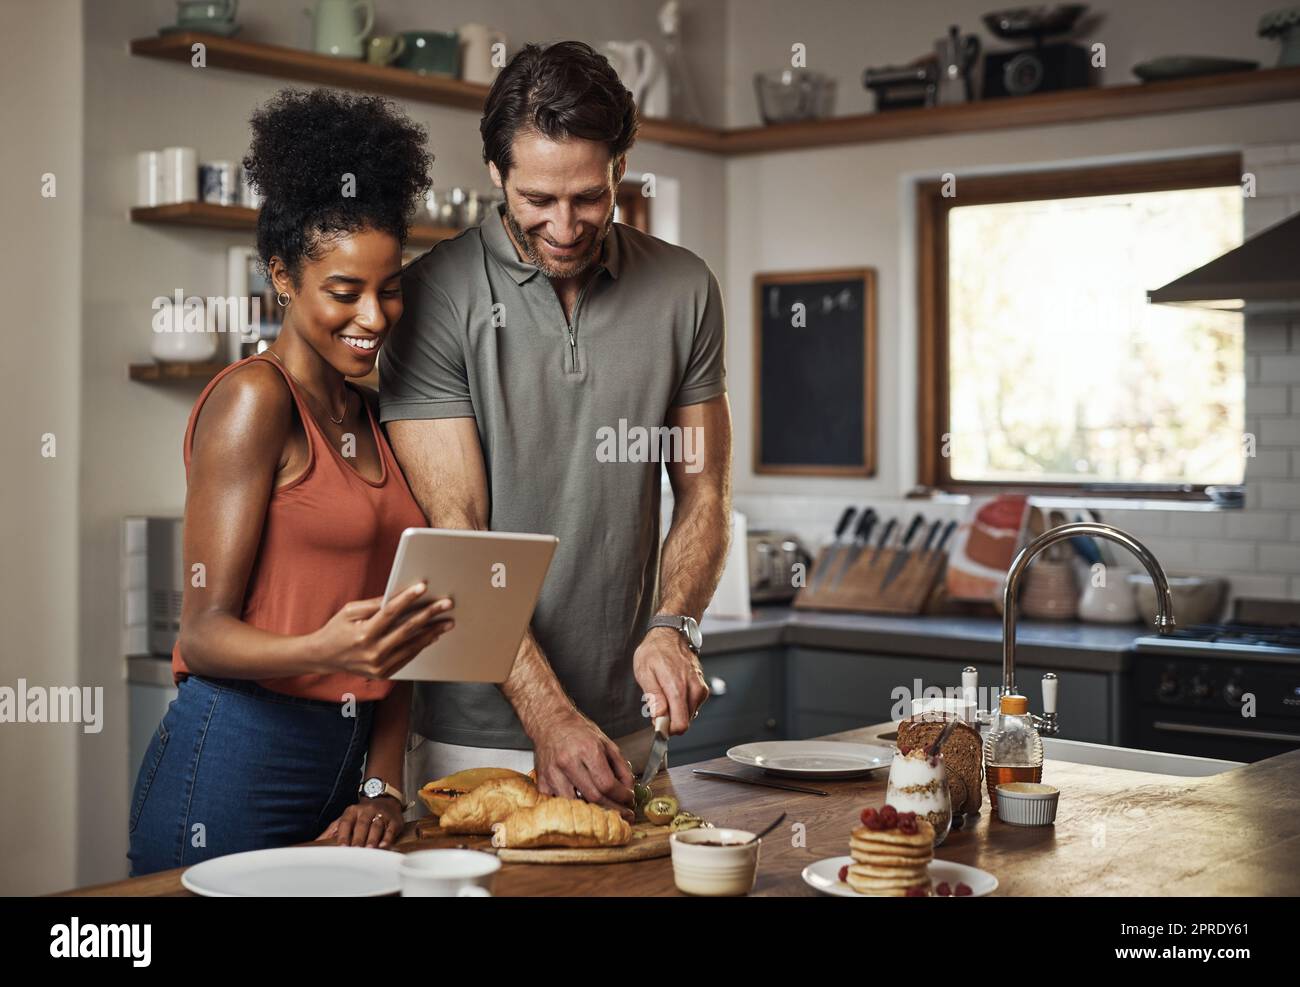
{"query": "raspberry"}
{"type": "Point", "coordinates": [874, 824]}
{"type": "Point", "coordinates": [889, 816]}
{"type": "Point", "coordinates": [844, 873]}
{"type": "Point", "coordinates": [943, 890]}
{"type": "Point", "coordinates": [918, 891]}
{"type": "Point", "coordinates": [963, 890]}
{"type": "Point", "coordinates": [907, 815]}
{"type": "Point", "coordinates": [868, 815]}
{"type": "Point", "coordinates": [907, 826]}
{"type": "Point", "coordinates": [904, 749]}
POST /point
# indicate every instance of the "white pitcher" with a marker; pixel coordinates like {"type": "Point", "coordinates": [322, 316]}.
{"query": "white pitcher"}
{"type": "Point", "coordinates": [334, 27]}
{"type": "Point", "coordinates": [638, 67]}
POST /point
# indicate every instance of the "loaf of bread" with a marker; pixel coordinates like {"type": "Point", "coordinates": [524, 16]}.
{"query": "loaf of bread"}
{"type": "Point", "coordinates": [488, 804]}
{"type": "Point", "coordinates": [565, 823]}
{"type": "Point", "coordinates": [963, 756]}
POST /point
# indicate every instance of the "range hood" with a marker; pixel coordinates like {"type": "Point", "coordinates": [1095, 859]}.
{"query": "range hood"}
{"type": "Point", "coordinates": [1262, 276]}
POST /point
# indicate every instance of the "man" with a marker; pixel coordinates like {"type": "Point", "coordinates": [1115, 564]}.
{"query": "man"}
{"type": "Point", "coordinates": [527, 344]}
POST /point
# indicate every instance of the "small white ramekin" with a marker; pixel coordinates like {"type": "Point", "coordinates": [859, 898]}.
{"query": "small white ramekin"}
{"type": "Point", "coordinates": [714, 870]}
{"type": "Point", "coordinates": [1027, 803]}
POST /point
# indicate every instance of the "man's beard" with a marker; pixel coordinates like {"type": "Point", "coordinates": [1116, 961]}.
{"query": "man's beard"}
{"type": "Point", "coordinates": [569, 269]}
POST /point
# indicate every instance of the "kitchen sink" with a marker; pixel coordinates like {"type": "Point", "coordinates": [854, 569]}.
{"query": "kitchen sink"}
{"type": "Point", "coordinates": [1124, 758]}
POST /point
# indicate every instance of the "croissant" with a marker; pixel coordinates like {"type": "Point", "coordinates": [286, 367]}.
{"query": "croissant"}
{"type": "Point", "coordinates": [566, 823]}
{"type": "Point", "coordinates": [488, 804]}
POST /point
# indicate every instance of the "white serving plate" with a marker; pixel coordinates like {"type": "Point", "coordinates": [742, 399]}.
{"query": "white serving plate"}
{"type": "Point", "coordinates": [813, 758]}
{"type": "Point", "coordinates": [824, 875]}
{"type": "Point", "coordinates": [298, 872]}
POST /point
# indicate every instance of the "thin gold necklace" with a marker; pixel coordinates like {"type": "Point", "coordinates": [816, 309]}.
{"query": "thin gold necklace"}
{"type": "Point", "coordinates": [336, 421]}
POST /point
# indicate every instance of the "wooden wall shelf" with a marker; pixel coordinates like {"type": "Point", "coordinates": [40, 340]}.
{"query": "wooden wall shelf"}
{"type": "Point", "coordinates": [307, 66]}
{"type": "Point", "coordinates": [213, 216]}
{"type": "Point", "coordinates": [174, 373]}
{"type": "Point", "coordinates": [1043, 109]}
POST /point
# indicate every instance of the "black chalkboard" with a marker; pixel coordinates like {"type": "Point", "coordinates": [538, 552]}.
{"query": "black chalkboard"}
{"type": "Point", "coordinates": [814, 372]}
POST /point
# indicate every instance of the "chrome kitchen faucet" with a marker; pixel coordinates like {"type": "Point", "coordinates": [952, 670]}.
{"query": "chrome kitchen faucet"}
{"type": "Point", "coordinates": [1047, 723]}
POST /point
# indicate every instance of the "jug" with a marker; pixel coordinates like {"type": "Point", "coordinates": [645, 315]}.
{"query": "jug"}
{"type": "Point", "coordinates": [334, 27]}
{"type": "Point", "coordinates": [638, 67]}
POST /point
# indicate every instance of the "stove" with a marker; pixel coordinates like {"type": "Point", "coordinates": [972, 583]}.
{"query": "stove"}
{"type": "Point", "coordinates": [1227, 690]}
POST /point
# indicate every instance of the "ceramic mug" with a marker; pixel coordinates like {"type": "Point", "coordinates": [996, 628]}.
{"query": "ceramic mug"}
{"type": "Point", "coordinates": [385, 49]}
{"type": "Point", "coordinates": [200, 13]}
{"type": "Point", "coordinates": [477, 45]}
{"type": "Point", "coordinates": [448, 874]}
{"type": "Point", "coordinates": [430, 52]}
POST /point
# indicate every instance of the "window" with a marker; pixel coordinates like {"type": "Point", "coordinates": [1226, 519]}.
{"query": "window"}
{"type": "Point", "coordinates": [1043, 365]}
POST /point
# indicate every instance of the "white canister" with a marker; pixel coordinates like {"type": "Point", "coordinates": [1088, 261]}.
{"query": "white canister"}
{"type": "Point", "coordinates": [180, 174]}
{"type": "Point", "coordinates": [480, 47]}
{"type": "Point", "coordinates": [149, 178]}
{"type": "Point", "coordinates": [180, 334]}
{"type": "Point", "coordinates": [1108, 597]}
{"type": "Point", "coordinates": [218, 183]}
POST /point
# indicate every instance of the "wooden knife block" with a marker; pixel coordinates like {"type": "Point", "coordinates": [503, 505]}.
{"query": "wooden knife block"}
{"type": "Point", "coordinates": [859, 589]}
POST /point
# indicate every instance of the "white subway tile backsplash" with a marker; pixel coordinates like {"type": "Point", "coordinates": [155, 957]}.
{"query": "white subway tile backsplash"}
{"type": "Point", "coordinates": [1279, 495]}
{"type": "Point", "coordinates": [1173, 553]}
{"type": "Point", "coordinates": [1277, 179]}
{"type": "Point", "coordinates": [1140, 523]}
{"type": "Point", "coordinates": [1262, 400]}
{"type": "Point", "coordinates": [1259, 587]}
{"type": "Point", "coordinates": [1280, 558]}
{"type": "Point", "coordinates": [1269, 464]}
{"type": "Point", "coordinates": [1224, 555]}
{"type": "Point", "coordinates": [1280, 368]}
{"type": "Point", "coordinates": [1198, 524]}
{"type": "Point", "coordinates": [1257, 525]}
{"type": "Point", "coordinates": [1295, 588]}
{"type": "Point", "coordinates": [1295, 527]}
{"type": "Point", "coordinates": [1267, 337]}
{"type": "Point", "coordinates": [1274, 432]}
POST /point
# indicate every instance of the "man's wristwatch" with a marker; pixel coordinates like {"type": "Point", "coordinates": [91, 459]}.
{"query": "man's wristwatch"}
{"type": "Point", "coordinates": [686, 626]}
{"type": "Point", "coordinates": [375, 787]}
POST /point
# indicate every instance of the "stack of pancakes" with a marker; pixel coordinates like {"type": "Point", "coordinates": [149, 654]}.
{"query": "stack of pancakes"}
{"type": "Point", "coordinates": [889, 862]}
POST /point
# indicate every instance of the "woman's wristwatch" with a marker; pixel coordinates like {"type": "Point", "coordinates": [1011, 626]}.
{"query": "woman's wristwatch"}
{"type": "Point", "coordinates": [688, 627]}
{"type": "Point", "coordinates": [375, 787]}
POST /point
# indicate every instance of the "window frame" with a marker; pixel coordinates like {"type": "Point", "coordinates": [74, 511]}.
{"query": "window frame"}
{"type": "Point", "coordinates": [932, 207]}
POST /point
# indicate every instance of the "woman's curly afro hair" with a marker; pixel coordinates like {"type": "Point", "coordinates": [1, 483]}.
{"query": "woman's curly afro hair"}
{"type": "Point", "coordinates": [329, 163]}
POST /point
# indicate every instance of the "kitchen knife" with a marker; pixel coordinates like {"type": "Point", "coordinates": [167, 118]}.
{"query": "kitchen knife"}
{"type": "Point", "coordinates": [884, 540]}
{"type": "Point", "coordinates": [948, 529]}
{"type": "Point", "coordinates": [835, 548]}
{"type": "Point", "coordinates": [900, 560]}
{"type": "Point", "coordinates": [658, 748]}
{"type": "Point", "coordinates": [861, 536]}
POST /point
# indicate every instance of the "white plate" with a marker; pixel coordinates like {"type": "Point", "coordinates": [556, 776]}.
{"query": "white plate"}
{"type": "Point", "coordinates": [812, 758]}
{"type": "Point", "coordinates": [298, 872]}
{"type": "Point", "coordinates": [824, 875]}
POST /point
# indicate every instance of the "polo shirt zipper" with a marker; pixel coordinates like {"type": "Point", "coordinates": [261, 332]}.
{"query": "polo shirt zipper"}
{"type": "Point", "coordinates": [573, 327]}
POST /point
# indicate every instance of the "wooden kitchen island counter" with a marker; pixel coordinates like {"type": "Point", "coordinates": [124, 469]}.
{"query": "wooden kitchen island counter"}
{"type": "Point", "coordinates": [1117, 833]}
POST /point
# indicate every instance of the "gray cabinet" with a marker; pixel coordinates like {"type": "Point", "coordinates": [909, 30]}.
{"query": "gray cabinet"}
{"type": "Point", "coordinates": [747, 707]}
{"type": "Point", "coordinates": [828, 691]}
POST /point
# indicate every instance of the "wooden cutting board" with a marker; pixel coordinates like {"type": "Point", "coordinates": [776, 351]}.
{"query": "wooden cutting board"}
{"type": "Point", "coordinates": [648, 841]}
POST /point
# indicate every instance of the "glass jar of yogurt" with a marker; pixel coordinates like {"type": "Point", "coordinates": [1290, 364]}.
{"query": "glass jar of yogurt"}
{"type": "Point", "coordinates": [920, 784]}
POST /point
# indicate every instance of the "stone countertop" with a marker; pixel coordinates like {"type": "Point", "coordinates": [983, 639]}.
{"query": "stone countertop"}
{"type": "Point", "coordinates": [1047, 644]}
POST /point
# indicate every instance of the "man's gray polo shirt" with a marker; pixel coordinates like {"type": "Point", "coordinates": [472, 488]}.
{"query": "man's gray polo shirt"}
{"type": "Point", "coordinates": [483, 335]}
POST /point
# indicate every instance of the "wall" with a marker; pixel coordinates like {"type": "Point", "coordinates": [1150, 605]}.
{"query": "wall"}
{"type": "Point", "coordinates": [859, 211]}
{"type": "Point", "coordinates": [40, 374]}
{"type": "Point", "coordinates": [132, 432]}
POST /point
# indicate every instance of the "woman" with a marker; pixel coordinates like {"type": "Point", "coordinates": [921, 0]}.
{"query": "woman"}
{"type": "Point", "coordinates": [294, 510]}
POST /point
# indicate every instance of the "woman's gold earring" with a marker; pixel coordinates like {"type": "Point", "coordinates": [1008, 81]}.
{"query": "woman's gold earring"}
{"type": "Point", "coordinates": [283, 299]}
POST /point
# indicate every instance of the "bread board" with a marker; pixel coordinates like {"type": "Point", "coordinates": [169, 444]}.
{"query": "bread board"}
{"type": "Point", "coordinates": [648, 841]}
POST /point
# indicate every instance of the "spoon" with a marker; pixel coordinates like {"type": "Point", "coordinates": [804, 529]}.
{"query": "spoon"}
{"type": "Point", "coordinates": [770, 826]}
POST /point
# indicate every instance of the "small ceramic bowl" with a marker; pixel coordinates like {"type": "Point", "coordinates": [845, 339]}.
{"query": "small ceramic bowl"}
{"type": "Point", "coordinates": [1027, 803]}
{"type": "Point", "coordinates": [729, 869]}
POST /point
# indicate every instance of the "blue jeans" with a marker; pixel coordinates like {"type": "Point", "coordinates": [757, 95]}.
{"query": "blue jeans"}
{"type": "Point", "coordinates": [234, 767]}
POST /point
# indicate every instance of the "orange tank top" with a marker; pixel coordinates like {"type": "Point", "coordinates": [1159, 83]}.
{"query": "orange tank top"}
{"type": "Point", "coordinates": [328, 538]}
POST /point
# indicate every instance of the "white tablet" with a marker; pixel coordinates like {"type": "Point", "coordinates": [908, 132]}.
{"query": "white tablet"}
{"type": "Point", "coordinates": [493, 579]}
